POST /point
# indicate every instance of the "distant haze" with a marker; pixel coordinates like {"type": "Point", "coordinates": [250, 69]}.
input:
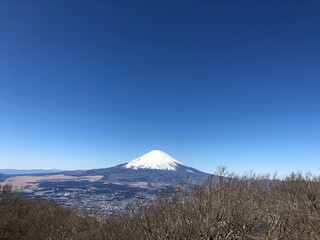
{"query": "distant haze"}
{"type": "Point", "coordinates": [28, 171]}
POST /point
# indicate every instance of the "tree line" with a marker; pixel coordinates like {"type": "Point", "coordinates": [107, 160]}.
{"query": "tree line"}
{"type": "Point", "coordinates": [232, 207]}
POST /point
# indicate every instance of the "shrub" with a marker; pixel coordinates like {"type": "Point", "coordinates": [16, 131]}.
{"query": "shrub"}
{"type": "Point", "coordinates": [247, 207]}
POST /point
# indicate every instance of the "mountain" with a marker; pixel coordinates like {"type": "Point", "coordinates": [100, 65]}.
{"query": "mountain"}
{"type": "Point", "coordinates": [156, 160]}
{"type": "Point", "coordinates": [156, 168]}
{"type": "Point", "coordinates": [109, 188]}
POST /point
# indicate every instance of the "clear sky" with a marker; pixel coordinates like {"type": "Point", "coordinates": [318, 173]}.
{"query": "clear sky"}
{"type": "Point", "coordinates": [91, 84]}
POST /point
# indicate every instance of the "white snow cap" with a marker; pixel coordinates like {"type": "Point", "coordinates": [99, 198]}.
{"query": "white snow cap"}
{"type": "Point", "coordinates": [155, 159]}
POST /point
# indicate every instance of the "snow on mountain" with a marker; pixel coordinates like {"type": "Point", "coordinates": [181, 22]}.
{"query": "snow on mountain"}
{"type": "Point", "coordinates": [156, 160]}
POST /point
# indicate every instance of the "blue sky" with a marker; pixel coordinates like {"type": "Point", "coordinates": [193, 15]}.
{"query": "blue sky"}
{"type": "Point", "coordinates": [90, 84]}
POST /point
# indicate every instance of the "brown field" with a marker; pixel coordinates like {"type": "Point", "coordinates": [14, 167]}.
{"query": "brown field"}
{"type": "Point", "coordinates": [31, 182]}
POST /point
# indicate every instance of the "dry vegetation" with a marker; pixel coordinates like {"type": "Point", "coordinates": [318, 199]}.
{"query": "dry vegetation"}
{"type": "Point", "coordinates": [250, 207]}
{"type": "Point", "coordinates": [31, 182]}
{"type": "Point", "coordinates": [28, 219]}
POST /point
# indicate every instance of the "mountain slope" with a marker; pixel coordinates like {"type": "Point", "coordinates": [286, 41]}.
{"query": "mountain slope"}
{"type": "Point", "coordinates": [156, 160]}
{"type": "Point", "coordinates": [109, 188]}
{"type": "Point", "coordinates": [154, 168]}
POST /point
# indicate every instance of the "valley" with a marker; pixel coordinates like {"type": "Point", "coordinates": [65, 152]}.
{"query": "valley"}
{"type": "Point", "coordinates": [108, 189]}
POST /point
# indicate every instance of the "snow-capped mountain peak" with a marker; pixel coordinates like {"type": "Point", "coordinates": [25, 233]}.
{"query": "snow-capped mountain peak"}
{"type": "Point", "coordinates": [155, 159]}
